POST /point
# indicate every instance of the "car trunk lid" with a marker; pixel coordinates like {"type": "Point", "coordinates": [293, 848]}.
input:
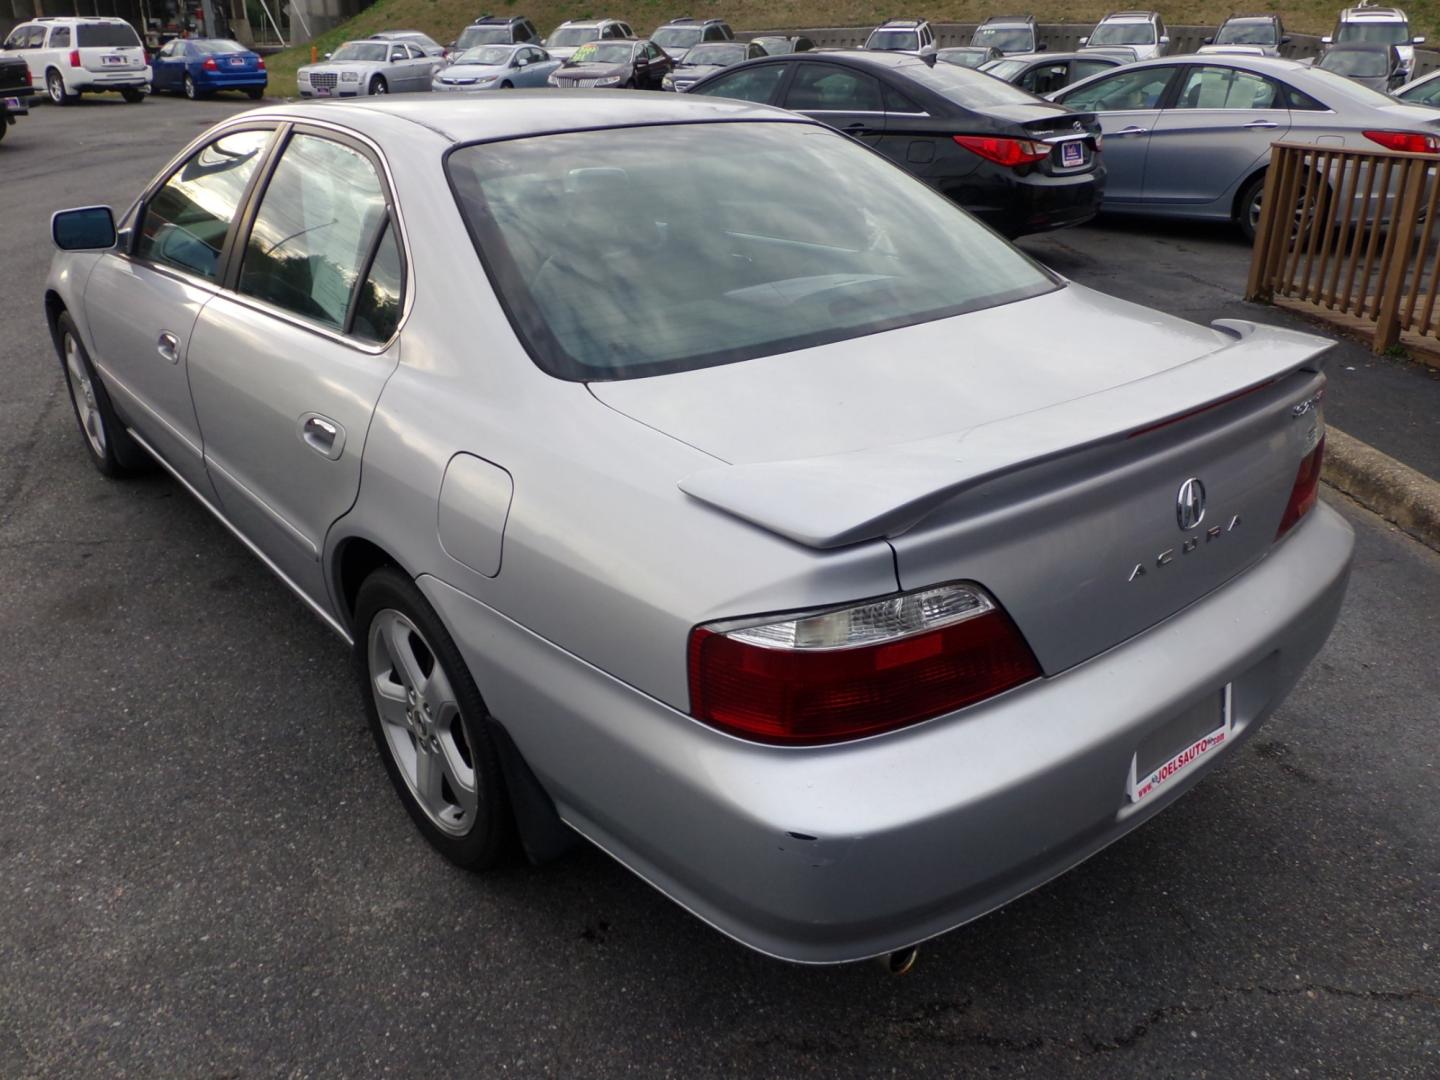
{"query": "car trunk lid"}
{"type": "Point", "coordinates": [1053, 482]}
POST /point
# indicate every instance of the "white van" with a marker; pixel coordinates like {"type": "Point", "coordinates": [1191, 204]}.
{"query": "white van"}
{"type": "Point", "coordinates": [71, 56]}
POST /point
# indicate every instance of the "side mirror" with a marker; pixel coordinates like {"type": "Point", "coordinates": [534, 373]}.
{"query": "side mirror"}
{"type": "Point", "coordinates": [1326, 40]}
{"type": "Point", "coordinates": [89, 228]}
{"type": "Point", "coordinates": [328, 55]}
{"type": "Point", "coordinates": [1285, 40]}
{"type": "Point", "coordinates": [1209, 41]}
{"type": "Point", "coordinates": [1084, 40]}
{"type": "Point", "coordinates": [1044, 45]}
{"type": "Point", "coordinates": [544, 41]}
{"type": "Point", "coordinates": [1418, 41]}
{"type": "Point", "coordinates": [1164, 39]}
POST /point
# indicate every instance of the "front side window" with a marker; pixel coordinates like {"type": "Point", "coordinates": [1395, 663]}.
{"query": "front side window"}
{"type": "Point", "coordinates": [753, 84]}
{"type": "Point", "coordinates": [620, 255]}
{"type": "Point", "coordinates": [314, 231]}
{"type": "Point", "coordinates": [1123, 91]}
{"type": "Point", "coordinates": [824, 88]}
{"type": "Point", "coordinates": [106, 36]}
{"type": "Point", "coordinates": [1227, 88]}
{"type": "Point", "coordinates": [16, 38]}
{"type": "Point", "coordinates": [185, 224]}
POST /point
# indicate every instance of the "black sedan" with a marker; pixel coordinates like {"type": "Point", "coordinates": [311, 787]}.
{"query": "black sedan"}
{"type": "Point", "coordinates": [627, 63]}
{"type": "Point", "coordinates": [1371, 64]}
{"type": "Point", "coordinates": [1020, 164]}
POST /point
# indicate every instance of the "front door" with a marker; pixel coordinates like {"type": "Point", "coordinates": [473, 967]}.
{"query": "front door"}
{"type": "Point", "coordinates": [1128, 107]}
{"type": "Point", "coordinates": [142, 305]}
{"type": "Point", "coordinates": [286, 370]}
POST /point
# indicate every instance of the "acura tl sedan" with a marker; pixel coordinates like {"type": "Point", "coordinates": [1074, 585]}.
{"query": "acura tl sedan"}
{"type": "Point", "coordinates": [1190, 136]}
{"type": "Point", "coordinates": [714, 515]}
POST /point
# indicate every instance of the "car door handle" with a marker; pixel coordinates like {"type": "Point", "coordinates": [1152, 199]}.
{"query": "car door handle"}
{"type": "Point", "coordinates": [1132, 130]}
{"type": "Point", "coordinates": [1257, 124]}
{"type": "Point", "coordinates": [856, 129]}
{"type": "Point", "coordinates": [168, 347]}
{"type": "Point", "coordinates": [322, 435]}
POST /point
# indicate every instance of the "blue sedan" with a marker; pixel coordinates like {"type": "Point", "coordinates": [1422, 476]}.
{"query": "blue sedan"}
{"type": "Point", "coordinates": [198, 67]}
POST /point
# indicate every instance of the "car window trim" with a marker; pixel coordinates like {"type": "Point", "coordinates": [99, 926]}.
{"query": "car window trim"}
{"type": "Point", "coordinates": [394, 218]}
{"type": "Point", "coordinates": [136, 213]}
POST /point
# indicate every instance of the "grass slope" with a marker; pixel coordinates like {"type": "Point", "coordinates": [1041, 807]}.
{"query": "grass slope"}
{"type": "Point", "coordinates": [442, 19]}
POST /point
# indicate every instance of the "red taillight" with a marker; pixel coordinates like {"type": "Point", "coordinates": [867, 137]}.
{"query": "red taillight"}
{"type": "Point", "coordinates": [210, 65]}
{"type": "Point", "coordinates": [74, 57]}
{"type": "Point", "coordinates": [785, 682]}
{"type": "Point", "coordinates": [28, 81]}
{"type": "Point", "coordinates": [260, 63]}
{"type": "Point", "coordinates": [145, 56]}
{"type": "Point", "coordinates": [1409, 142]}
{"type": "Point", "coordinates": [1306, 490]}
{"type": "Point", "coordinates": [1005, 151]}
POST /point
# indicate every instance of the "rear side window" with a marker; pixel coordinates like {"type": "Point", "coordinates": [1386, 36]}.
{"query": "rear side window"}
{"type": "Point", "coordinates": [1226, 88]}
{"type": "Point", "coordinates": [315, 230]}
{"type": "Point", "coordinates": [377, 301]}
{"type": "Point", "coordinates": [825, 88]}
{"type": "Point", "coordinates": [184, 225]}
{"type": "Point", "coordinates": [106, 36]}
{"type": "Point", "coordinates": [753, 84]}
{"type": "Point", "coordinates": [60, 37]}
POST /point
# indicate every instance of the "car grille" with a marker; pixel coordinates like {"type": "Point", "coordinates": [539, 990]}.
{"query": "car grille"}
{"type": "Point", "coordinates": [326, 80]}
{"type": "Point", "coordinates": [577, 82]}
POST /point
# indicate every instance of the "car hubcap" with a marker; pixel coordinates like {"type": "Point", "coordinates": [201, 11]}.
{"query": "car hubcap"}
{"type": "Point", "coordinates": [57, 89]}
{"type": "Point", "coordinates": [379, 88]}
{"type": "Point", "coordinates": [84, 394]}
{"type": "Point", "coordinates": [189, 87]}
{"type": "Point", "coordinates": [421, 722]}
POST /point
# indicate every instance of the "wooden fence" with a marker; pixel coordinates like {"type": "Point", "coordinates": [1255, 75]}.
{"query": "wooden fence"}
{"type": "Point", "coordinates": [1349, 235]}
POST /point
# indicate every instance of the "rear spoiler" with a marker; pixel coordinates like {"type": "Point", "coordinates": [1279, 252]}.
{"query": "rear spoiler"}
{"type": "Point", "coordinates": [828, 502]}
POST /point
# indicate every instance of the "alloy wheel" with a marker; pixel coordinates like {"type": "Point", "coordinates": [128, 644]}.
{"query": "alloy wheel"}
{"type": "Point", "coordinates": [83, 392]}
{"type": "Point", "coordinates": [190, 88]}
{"type": "Point", "coordinates": [424, 731]}
{"type": "Point", "coordinates": [56, 85]}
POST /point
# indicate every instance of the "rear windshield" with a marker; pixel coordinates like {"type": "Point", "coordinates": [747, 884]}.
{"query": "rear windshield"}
{"type": "Point", "coordinates": [1004, 38]}
{"type": "Point", "coordinates": [219, 45]}
{"type": "Point", "coordinates": [105, 36]}
{"type": "Point", "coordinates": [618, 254]}
{"type": "Point", "coordinates": [970, 58]}
{"type": "Point", "coordinates": [717, 55]}
{"type": "Point", "coordinates": [968, 88]}
{"type": "Point", "coordinates": [1005, 69]}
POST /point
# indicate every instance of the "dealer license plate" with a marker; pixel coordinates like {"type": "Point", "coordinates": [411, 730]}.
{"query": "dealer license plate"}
{"type": "Point", "coordinates": [1072, 153]}
{"type": "Point", "coordinates": [15, 105]}
{"type": "Point", "coordinates": [322, 91]}
{"type": "Point", "coordinates": [114, 60]}
{"type": "Point", "coordinates": [1179, 746]}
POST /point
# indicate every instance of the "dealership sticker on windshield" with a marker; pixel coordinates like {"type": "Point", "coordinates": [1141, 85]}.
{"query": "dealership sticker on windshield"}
{"type": "Point", "coordinates": [1143, 785]}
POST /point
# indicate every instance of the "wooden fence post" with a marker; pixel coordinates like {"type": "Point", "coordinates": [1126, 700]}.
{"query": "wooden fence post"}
{"type": "Point", "coordinates": [1392, 276]}
{"type": "Point", "coordinates": [1260, 286]}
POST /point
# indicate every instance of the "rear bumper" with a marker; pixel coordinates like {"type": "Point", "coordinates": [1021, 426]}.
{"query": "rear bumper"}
{"type": "Point", "coordinates": [243, 80]}
{"type": "Point", "coordinates": [87, 81]}
{"type": "Point", "coordinates": [830, 854]}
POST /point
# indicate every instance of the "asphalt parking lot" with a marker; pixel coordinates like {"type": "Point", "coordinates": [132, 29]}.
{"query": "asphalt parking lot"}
{"type": "Point", "coordinates": [204, 872]}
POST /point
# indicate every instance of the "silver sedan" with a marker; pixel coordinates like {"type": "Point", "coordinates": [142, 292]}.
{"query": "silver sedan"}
{"type": "Point", "coordinates": [1189, 136]}
{"type": "Point", "coordinates": [731, 521]}
{"type": "Point", "coordinates": [367, 68]}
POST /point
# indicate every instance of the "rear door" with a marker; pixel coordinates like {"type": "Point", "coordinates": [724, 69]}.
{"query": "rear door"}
{"type": "Point", "coordinates": [848, 100]}
{"type": "Point", "coordinates": [1217, 132]}
{"type": "Point", "coordinates": [168, 69]}
{"type": "Point", "coordinates": [1128, 106]}
{"type": "Point", "coordinates": [285, 369]}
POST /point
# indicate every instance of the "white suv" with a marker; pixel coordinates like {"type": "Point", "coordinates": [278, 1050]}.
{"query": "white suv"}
{"type": "Point", "coordinates": [1142, 32]}
{"type": "Point", "coordinates": [1380, 25]}
{"type": "Point", "coordinates": [74, 56]}
{"type": "Point", "coordinates": [902, 35]}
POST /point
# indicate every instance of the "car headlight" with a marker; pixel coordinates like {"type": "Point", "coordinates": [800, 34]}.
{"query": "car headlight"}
{"type": "Point", "coordinates": [485, 81]}
{"type": "Point", "coordinates": [668, 82]}
{"type": "Point", "coordinates": [303, 76]}
{"type": "Point", "coordinates": [552, 81]}
{"type": "Point", "coordinates": [614, 80]}
{"type": "Point", "coordinates": [349, 76]}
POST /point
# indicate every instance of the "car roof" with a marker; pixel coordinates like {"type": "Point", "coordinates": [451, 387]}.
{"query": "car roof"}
{"type": "Point", "coordinates": [1009, 20]}
{"type": "Point", "coordinates": [588, 22]}
{"type": "Point", "coordinates": [1041, 57]}
{"type": "Point", "coordinates": [1373, 14]}
{"type": "Point", "coordinates": [520, 113]}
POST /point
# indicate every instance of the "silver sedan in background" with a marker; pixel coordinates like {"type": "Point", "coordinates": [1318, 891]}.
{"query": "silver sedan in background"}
{"type": "Point", "coordinates": [733, 521]}
{"type": "Point", "coordinates": [496, 67]}
{"type": "Point", "coordinates": [367, 68]}
{"type": "Point", "coordinates": [1189, 136]}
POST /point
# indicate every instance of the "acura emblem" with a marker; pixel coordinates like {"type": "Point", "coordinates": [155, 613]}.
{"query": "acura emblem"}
{"type": "Point", "coordinates": [1190, 504]}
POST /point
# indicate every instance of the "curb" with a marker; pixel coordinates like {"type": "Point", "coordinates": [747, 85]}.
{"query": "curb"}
{"type": "Point", "coordinates": [1378, 482]}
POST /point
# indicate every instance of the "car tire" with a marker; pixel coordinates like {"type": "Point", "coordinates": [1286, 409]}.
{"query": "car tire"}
{"type": "Point", "coordinates": [507, 86]}
{"type": "Point", "coordinates": [4, 127]}
{"type": "Point", "coordinates": [378, 85]}
{"type": "Point", "coordinates": [1248, 208]}
{"type": "Point", "coordinates": [55, 87]}
{"type": "Point", "coordinates": [133, 97]}
{"type": "Point", "coordinates": [189, 88]}
{"type": "Point", "coordinates": [255, 93]}
{"type": "Point", "coordinates": [433, 733]}
{"type": "Point", "coordinates": [111, 449]}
